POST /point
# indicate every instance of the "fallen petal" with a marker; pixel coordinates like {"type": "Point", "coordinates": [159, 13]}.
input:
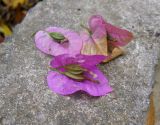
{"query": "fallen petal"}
{"type": "Point", "coordinates": [83, 60]}
{"type": "Point", "coordinates": [116, 52]}
{"type": "Point", "coordinates": [121, 36]}
{"type": "Point", "coordinates": [63, 85]}
{"type": "Point", "coordinates": [49, 46]}
{"type": "Point", "coordinates": [95, 44]}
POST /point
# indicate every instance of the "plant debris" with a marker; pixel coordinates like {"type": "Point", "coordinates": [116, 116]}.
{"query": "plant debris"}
{"type": "Point", "coordinates": [12, 12]}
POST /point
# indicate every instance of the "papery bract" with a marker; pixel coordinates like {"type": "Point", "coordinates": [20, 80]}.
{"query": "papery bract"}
{"type": "Point", "coordinates": [114, 52]}
{"type": "Point", "coordinates": [104, 39]}
{"type": "Point", "coordinates": [64, 85]}
{"type": "Point", "coordinates": [95, 43]}
{"type": "Point", "coordinates": [121, 37]}
{"type": "Point", "coordinates": [46, 44]}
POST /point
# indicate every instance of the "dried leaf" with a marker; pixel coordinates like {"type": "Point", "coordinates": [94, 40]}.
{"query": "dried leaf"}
{"type": "Point", "coordinates": [5, 29]}
{"type": "Point", "coordinates": [151, 113]}
{"type": "Point", "coordinates": [1, 37]}
{"type": "Point", "coordinates": [14, 3]}
{"type": "Point", "coordinates": [19, 16]}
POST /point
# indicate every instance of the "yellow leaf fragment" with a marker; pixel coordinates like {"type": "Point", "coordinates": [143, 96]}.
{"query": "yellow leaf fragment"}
{"type": "Point", "coordinates": [5, 29]}
{"type": "Point", "coordinates": [14, 3]}
{"type": "Point", "coordinates": [151, 113]}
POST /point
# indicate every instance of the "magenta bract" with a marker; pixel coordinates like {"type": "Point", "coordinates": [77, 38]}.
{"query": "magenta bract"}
{"type": "Point", "coordinates": [66, 45]}
{"type": "Point", "coordinates": [121, 36]}
{"type": "Point", "coordinates": [64, 85]}
{"type": "Point", "coordinates": [49, 46]}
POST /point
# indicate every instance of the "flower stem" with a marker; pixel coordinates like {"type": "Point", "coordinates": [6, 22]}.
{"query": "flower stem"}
{"type": "Point", "coordinates": [86, 28]}
{"type": "Point", "coordinates": [55, 69]}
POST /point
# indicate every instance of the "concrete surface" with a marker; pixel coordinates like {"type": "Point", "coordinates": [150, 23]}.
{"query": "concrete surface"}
{"type": "Point", "coordinates": [24, 96]}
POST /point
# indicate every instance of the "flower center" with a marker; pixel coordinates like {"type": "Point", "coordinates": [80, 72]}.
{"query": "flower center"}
{"type": "Point", "coordinates": [58, 37]}
{"type": "Point", "coordinates": [77, 73]}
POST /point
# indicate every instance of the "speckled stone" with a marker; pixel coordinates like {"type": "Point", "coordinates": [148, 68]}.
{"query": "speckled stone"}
{"type": "Point", "coordinates": [24, 96]}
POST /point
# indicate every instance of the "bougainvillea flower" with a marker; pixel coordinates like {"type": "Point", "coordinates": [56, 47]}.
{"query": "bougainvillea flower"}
{"type": "Point", "coordinates": [79, 73]}
{"type": "Point", "coordinates": [104, 38]}
{"type": "Point", "coordinates": [118, 36]}
{"type": "Point", "coordinates": [56, 41]}
{"type": "Point", "coordinates": [95, 43]}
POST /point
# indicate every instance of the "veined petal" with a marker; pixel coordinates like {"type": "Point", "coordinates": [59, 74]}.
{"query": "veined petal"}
{"type": "Point", "coordinates": [63, 85]}
{"type": "Point", "coordinates": [95, 21]}
{"type": "Point", "coordinates": [121, 36]}
{"type": "Point", "coordinates": [100, 39]}
{"type": "Point", "coordinates": [116, 52]}
{"type": "Point", "coordinates": [83, 60]}
{"type": "Point", "coordinates": [90, 60]}
{"type": "Point", "coordinates": [49, 46]}
{"type": "Point", "coordinates": [89, 47]}
{"type": "Point", "coordinates": [95, 44]}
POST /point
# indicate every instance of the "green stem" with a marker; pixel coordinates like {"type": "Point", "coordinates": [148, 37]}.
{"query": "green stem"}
{"type": "Point", "coordinates": [86, 28]}
{"type": "Point", "coordinates": [55, 69]}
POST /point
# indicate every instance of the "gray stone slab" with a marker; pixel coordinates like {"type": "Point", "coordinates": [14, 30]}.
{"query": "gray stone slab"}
{"type": "Point", "coordinates": [24, 96]}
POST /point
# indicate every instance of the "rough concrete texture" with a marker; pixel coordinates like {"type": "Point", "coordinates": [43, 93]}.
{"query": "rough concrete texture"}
{"type": "Point", "coordinates": [24, 96]}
